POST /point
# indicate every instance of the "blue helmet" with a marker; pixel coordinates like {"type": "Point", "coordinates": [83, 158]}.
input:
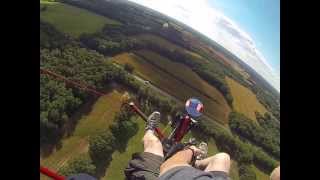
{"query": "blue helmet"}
{"type": "Point", "coordinates": [194, 107]}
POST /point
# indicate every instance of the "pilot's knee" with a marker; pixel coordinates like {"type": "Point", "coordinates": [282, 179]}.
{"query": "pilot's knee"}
{"type": "Point", "coordinates": [151, 141]}
{"type": "Point", "coordinates": [222, 156]}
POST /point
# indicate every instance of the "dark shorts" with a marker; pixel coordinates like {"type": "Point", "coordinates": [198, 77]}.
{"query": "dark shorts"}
{"type": "Point", "coordinates": [219, 175]}
{"type": "Point", "coordinates": [190, 173]}
{"type": "Point", "coordinates": [144, 166]}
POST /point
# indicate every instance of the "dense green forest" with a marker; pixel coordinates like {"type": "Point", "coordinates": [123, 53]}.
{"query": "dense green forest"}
{"type": "Point", "coordinates": [270, 125]}
{"type": "Point", "coordinates": [247, 128]}
{"type": "Point", "coordinates": [244, 153]}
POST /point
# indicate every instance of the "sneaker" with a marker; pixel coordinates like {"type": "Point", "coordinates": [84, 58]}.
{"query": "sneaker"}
{"type": "Point", "coordinates": [153, 121]}
{"type": "Point", "coordinates": [204, 148]}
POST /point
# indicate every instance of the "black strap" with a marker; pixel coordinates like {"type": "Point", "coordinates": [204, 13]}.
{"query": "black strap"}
{"type": "Point", "coordinates": [193, 158]}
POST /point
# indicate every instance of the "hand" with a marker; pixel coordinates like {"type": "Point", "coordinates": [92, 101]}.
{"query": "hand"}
{"type": "Point", "coordinates": [196, 150]}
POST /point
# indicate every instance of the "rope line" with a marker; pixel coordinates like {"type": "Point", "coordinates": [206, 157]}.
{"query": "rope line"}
{"type": "Point", "coordinates": [81, 86]}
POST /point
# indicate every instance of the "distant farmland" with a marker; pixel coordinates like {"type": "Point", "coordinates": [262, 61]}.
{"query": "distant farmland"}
{"type": "Point", "coordinates": [244, 101]}
{"type": "Point", "coordinates": [165, 44]}
{"type": "Point", "coordinates": [181, 82]}
{"type": "Point", "coordinates": [72, 20]}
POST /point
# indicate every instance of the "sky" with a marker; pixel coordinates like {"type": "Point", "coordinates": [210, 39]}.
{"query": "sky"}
{"type": "Point", "coordinates": [248, 28]}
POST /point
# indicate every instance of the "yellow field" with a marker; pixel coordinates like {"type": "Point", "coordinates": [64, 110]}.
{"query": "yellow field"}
{"type": "Point", "coordinates": [244, 101]}
{"type": "Point", "coordinates": [178, 80]}
{"type": "Point", "coordinates": [99, 118]}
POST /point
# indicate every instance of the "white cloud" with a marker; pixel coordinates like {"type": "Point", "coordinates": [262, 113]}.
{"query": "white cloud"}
{"type": "Point", "coordinates": [214, 24]}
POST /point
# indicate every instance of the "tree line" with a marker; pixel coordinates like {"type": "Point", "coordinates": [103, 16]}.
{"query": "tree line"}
{"type": "Point", "coordinates": [271, 102]}
{"type": "Point", "coordinates": [252, 131]}
{"type": "Point", "coordinates": [243, 152]}
{"type": "Point", "coordinates": [270, 124]}
{"type": "Point", "coordinates": [111, 40]}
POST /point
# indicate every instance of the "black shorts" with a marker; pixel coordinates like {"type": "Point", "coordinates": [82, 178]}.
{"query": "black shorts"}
{"type": "Point", "coordinates": [190, 173]}
{"type": "Point", "coordinates": [144, 166]}
{"type": "Point", "coordinates": [219, 175]}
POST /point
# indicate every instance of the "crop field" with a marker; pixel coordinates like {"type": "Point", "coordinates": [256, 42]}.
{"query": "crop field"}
{"type": "Point", "coordinates": [98, 118]}
{"type": "Point", "coordinates": [183, 73]}
{"type": "Point", "coordinates": [245, 101]}
{"type": "Point", "coordinates": [156, 68]}
{"type": "Point", "coordinates": [150, 38]}
{"type": "Point", "coordinates": [72, 20]}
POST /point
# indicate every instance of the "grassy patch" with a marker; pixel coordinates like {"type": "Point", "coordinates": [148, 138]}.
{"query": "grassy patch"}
{"type": "Point", "coordinates": [178, 80]}
{"type": "Point", "coordinates": [245, 101]}
{"type": "Point", "coordinates": [260, 175]}
{"type": "Point", "coordinates": [98, 119]}
{"type": "Point", "coordinates": [234, 170]}
{"type": "Point", "coordinates": [159, 40]}
{"type": "Point", "coordinates": [72, 20]}
{"type": "Point", "coordinates": [120, 160]}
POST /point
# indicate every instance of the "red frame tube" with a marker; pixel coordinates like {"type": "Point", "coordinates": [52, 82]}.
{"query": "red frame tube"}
{"type": "Point", "coordinates": [51, 174]}
{"type": "Point", "coordinates": [183, 128]}
{"type": "Point", "coordinates": [73, 83]}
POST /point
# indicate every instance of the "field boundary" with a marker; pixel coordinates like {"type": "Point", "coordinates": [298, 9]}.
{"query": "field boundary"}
{"type": "Point", "coordinates": [178, 78]}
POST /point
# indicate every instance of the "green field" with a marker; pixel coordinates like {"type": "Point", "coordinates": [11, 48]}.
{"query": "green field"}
{"type": "Point", "coordinates": [98, 118]}
{"type": "Point", "coordinates": [260, 175]}
{"type": "Point", "coordinates": [178, 80]}
{"type": "Point", "coordinates": [153, 39]}
{"type": "Point", "coordinates": [120, 159]}
{"type": "Point", "coordinates": [72, 20]}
